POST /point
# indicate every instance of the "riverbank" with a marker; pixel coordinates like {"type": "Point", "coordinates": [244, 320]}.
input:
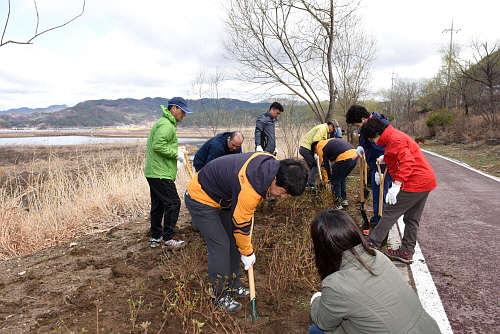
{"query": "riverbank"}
{"type": "Point", "coordinates": [113, 132]}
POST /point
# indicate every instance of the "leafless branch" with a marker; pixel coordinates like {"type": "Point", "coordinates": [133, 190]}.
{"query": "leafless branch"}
{"type": "Point", "coordinates": [36, 34]}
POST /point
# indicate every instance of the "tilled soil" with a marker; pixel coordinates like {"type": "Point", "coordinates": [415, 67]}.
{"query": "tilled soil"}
{"type": "Point", "coordinates": [113, 282]}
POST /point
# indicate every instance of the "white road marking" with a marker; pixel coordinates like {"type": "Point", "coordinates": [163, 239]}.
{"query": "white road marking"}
{"type": "Point", "coordinates": [463, 164]}
{"type": "Point", "coordinates": [426, 289]}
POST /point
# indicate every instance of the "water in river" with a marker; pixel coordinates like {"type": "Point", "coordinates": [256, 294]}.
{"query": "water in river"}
{"type": "Point", "coordinates": [79, 140]}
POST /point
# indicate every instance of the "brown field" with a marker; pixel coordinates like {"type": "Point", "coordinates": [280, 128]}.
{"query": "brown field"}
{"type": "Point", "coordinates": [74, 234]}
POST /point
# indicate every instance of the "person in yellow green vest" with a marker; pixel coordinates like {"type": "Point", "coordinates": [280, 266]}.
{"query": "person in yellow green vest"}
{"type": "Point", "coordinates": [319, 132]}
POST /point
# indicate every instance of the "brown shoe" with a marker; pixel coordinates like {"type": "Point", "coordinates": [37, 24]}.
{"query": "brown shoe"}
{"type": "Point", "coordinates": [398, 254]}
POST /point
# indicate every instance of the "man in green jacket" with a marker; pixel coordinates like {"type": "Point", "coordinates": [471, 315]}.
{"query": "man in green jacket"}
{"type": "Point", "coordinates": [161, 170]}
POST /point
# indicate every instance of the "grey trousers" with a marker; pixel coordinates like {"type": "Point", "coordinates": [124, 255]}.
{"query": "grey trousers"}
{"type": "Point", "coordinates": [216, 226]}
{"type": "Point", "coordinates": [410, 205]}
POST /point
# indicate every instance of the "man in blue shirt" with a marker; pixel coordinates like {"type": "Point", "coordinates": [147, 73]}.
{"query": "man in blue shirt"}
{"type": "Point", "coordinates": [222, 144]}
{"type": "Point", "coordinates": [357, 115]}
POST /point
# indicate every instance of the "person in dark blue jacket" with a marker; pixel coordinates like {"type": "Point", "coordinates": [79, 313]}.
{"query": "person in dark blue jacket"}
{"type": "Point", "coordinates": [222, 144]}
{"type": "Point", "coordinates": [357, 115]}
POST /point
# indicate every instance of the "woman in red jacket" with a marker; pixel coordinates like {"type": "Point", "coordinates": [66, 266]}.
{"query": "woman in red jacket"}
{"type": "Point", "coordinates": [412, 181]}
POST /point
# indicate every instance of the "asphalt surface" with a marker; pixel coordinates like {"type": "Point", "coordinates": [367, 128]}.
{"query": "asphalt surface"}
{"type": "Point", "coordinates": [458, 238]}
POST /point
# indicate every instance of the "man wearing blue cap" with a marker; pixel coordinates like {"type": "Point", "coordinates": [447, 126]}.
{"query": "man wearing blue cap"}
{"type": "Point", "coordinates": [160, 170]}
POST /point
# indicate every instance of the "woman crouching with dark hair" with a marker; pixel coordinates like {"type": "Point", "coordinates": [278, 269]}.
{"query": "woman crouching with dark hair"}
{"type": "Point", "coordinates": [362, 290]}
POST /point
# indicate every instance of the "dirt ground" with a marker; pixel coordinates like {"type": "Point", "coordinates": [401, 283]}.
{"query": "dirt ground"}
{"type": "Point", "coordinates": [113, 282]}
{"type": "Point", "coordinates": [95, 280]}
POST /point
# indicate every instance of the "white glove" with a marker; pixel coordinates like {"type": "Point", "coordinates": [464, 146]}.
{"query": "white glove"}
{"type": "Point", "coordinates": [316, 294]}
{"type": "Point", "coordinates": [259, 149]}
{"type": "Point", "coordinates": [248, 260]}
{"type": "Point", "coordinates": [360, 151]}
{"type": "Point", "coordinates": [377, 178]}
{"type": "Point", "coordinates": [316, 157]}
{"type": "Point", "coordinates": [393, 192]}
{"type": "Point", "coordinates": [381, 159]}
{"type": "Point", "coordinates": [180, 158]}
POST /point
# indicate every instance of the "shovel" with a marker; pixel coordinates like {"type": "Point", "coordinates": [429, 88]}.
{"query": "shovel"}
{"type": "Point", "coordinates": [362, 187]}
{"type": "Point", "coordinates": [251, 282]}
{"type": "Point", "coordinates": [190, 172]}
{"type": "Point", "coordinates": [380, 200]}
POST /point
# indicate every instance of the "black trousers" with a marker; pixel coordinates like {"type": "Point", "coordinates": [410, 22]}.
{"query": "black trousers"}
{"type": "Point", "coordinates": [308, 156]}
{"type": "Point", "coordinates": [165, 205]}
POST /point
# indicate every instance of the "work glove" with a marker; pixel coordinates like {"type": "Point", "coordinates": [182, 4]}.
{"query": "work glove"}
{"type": "Point", "coordinates": [381, 159]}
{"type": "Point", "coordinates": [393, 192]}
{"type": "Point", "coordinates": [360, 151]}
{"type": "Point", "coordinates": [377, 178]}
{"type": "Point", "coordinates": [316, 294]}
{"type": "Point", "coordinates": [248, 260]}
{"type": "Point", "coordinates": [180, 158]}
{"type": "Point", "coordinates": [259, 149]}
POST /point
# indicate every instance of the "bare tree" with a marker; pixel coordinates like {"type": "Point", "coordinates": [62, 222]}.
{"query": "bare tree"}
{"type": "Point", "coordinates": [354, 54]}
{"type": "Point", "coordinates": [207, 87]}
{"type": "Point", "coordinates": [403, 97]}
{"type": "Point", "coordinates": [292, 126]}
{"type": "Point", "coordinates": [291, 45]}
{"type": "Point", "coordinates": [37, 32]}
{"type": "Point", "coordinates": [482, 74]}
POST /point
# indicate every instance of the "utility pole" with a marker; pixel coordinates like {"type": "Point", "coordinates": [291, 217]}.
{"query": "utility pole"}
{"type": "Point", "coordinates": [391, 103]}
{"type": "Point", "coordinates": [449, 61]}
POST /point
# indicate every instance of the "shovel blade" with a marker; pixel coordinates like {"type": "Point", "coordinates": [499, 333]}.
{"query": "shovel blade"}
{"type": "Point", "coordinates": [253, 312]}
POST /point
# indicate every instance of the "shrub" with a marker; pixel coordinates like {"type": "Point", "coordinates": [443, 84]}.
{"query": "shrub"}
{"type": "Point", "coordinates": [442, 118]}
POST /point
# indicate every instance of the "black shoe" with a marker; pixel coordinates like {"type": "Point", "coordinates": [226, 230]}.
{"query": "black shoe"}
{"type": "Point", "coordinates": [241, 292]}
{"type": "Point", "coordinates": [229, 304]}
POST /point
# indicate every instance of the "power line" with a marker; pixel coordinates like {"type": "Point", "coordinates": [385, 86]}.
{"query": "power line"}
{"type": "Point", "coordinates": [428, 53]}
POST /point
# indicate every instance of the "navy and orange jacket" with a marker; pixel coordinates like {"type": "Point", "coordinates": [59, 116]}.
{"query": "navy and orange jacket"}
{"type": "Point", "coordinates": [406, 162]}
{"type": "Point", "coordinates": [238, 183]}
{"type": "Point", "coordinates": [334, 149]}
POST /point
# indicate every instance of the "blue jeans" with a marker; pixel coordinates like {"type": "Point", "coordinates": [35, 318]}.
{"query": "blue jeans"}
{"type": "Point", "coordinates": [315, 330]}
{"type": "Point", "coordinates": [340, 170]}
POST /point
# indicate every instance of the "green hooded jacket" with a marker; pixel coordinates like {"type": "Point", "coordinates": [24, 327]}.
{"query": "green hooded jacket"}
{"type": "Point", "coordinates": [162, 148]}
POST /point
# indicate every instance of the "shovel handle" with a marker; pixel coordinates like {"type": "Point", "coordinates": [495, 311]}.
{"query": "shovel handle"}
{"type": "Point", "coordinates": [381, 191]}
{"type": "Point", "coordinates": [251, 282]}
{"type": "Point", "coordinates": [188, 166]}
{"type": "Point", "coordinates": [362, 179]}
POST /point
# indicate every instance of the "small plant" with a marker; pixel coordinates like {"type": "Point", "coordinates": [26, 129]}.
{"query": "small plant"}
{"type": "Point", "coordinates": [134, 307]}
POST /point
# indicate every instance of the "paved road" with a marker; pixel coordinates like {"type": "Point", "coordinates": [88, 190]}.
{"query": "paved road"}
{"type": "Point", "coordinates": [459, 238]}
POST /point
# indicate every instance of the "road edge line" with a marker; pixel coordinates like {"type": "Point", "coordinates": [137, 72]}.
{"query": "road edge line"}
{"type": "Point", "coordinates": [426, 289]}
{"type": "Point", "coordinates": [463, 164]}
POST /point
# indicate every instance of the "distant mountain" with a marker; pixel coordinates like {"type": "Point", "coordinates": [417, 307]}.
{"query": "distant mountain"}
{"type": "Point", "coordinates": [96, 113]}
{"type": "Point", "coordinates": [25, 110]}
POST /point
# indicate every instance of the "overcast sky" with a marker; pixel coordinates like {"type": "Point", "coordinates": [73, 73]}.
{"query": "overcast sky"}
{"type": "Point", "coordinates": [156, 48]}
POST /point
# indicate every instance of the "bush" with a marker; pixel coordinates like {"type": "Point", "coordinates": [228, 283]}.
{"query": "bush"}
{"type": "Point", "coordinates": [442, 118]}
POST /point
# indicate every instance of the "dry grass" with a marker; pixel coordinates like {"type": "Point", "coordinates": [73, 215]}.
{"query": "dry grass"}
{"type": "Point", "coordinates": [54, 199]}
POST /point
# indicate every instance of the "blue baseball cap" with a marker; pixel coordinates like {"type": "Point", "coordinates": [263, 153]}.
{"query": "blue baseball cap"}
{"type": "Point", "coordinates": [181, 103]}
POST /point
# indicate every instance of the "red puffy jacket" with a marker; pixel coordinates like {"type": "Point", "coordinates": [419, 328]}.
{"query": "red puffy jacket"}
{"type": "Point", "coordinates": [406, 162]}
